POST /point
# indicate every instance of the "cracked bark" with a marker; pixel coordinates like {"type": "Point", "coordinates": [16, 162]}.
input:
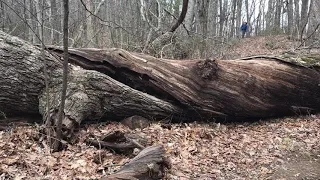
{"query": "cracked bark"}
{"type": "Point", "coordinates": [117, 84]}
{"type": "Point", "coordinates": [90, 94]}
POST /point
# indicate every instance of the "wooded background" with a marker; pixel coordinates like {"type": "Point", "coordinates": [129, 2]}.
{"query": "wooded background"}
{"type": "Point", "coordinates": [125, 81]}
{"type": "Point", "coordinates": [209, 26]}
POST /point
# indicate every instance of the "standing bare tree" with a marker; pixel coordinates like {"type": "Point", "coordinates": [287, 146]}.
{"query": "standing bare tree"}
{"type": "Point", "coordinates": [304, 17]}
{"type": "Point", "coordinates": [239, 10]}
{"type": "Point", "coordinates": [297, 17]}
{"type": "Point", "coordinates": [290, 16]}
{"type": "Point", "coordinates": [213, 17]}
{"type": "Point", "coordinates": [277, 17]}
{"type": "Point", "coordinates": [55, 23]}
{"type": "Point", "coordinates": [314, 21]}
{"type": "Point", "coordinates": [223, 4]}
{"type": "Point", "coordinates": [202, 14]}
{"type": "Point", "coordinates": [233, 17]}
{"type": "Point", "coordinates": [189, 20]}
{"type": "Point", "coordinates": [57, 140]}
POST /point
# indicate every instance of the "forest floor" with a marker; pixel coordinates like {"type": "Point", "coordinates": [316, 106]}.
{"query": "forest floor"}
{"type": "Point", "coordinates": [268, 45]}
{"type": "Point", "coordinates": [284, 148]}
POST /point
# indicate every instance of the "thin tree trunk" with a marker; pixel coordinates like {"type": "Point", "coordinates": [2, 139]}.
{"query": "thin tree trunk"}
{"type": "Point", "coordinates": [55, 23]}
{"type": "Point", "coordinates": [61, 115]}
{"type": "Point", "coordinates": [214, 7]}
{"type": "Point", "coordinates": [221, 18]}
{"type": "Point", "coordinates": [38, 19]}
{"type": "Point", "coordinates": [239, 9]}
{"type": "Point", "coordinates": [233, 17]}
{"type": "Point", "coordinates": [277, 19]}
{"type": "Point", "coordinates": [314, 23]}
{"type": "Point", "coordinates": [304, 17]}
{"type": "Point", "coordinates": [190, 15]}
{"type": "Point", "coordinates": [248, 17]}
{"type": "Point", "coordinates": [33, 19]}
{"type": "Point", "coordinates": [181, 17]}
{"type": "Point", "coordinates": [202, 8]}
{"type": "Point", "coordinates": [297, 17]}
{"type": "Point", "coordinates": [89, 24]}
{"type": "Point", "coordinates": [290, 16]}
{"type": "Point", "coordinates": [269, 16]}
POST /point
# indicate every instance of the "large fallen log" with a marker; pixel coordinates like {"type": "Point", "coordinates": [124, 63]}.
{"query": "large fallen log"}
{"type": "Point", "coordinates": [116, 83]}
{"type": "Point", "coordinates": [259, 87]}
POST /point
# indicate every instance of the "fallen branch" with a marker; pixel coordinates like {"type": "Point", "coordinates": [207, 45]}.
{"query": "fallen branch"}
{"type": "Point", "coordinates": [116, 141]}
{"type": "Point", "coordinates": [148, 164]}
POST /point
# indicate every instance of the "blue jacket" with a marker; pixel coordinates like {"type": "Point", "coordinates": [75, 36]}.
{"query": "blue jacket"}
{"type": "Point", "coordinates": [244, 27]}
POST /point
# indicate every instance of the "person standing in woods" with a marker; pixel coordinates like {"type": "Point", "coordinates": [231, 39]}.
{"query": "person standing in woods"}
{"type": "Point", "coordinates": [244, 28]}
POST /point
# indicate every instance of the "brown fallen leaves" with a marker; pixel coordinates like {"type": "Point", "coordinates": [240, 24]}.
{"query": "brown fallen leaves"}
{"type": "Point", "coordinates": [267, 45]}
{"type": "Point", "coordinates": [198, 150]}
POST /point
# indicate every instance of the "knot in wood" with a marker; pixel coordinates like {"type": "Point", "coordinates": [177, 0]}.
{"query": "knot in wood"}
{"type": "Point", "coordinates": [207, 69]}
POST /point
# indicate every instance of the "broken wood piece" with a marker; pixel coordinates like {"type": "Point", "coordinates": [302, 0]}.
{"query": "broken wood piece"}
{"type": "Point", "coordinates": [117, 147]}
{"type": "Point", "coordinates": [116, 141]}
{"type": "Point", "coordinates": [149, 164]}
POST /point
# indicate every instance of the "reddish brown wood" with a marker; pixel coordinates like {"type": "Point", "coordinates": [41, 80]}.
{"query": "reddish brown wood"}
{"type": "Point", "coordinates": [256, 87]}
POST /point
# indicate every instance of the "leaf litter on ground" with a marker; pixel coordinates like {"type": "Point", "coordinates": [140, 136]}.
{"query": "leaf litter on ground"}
{"type": "Point", "coordinates": [269, 149]}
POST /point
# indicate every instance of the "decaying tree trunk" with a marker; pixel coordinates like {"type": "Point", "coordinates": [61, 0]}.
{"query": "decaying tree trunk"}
{"type": "Point", "coordinates": [116, 83]}
{"type": "Point", "coordinates": [90, 94]}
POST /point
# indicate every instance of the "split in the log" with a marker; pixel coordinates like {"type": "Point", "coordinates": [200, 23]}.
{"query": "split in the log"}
{"type": "Point", "coordinates": [212, 89]}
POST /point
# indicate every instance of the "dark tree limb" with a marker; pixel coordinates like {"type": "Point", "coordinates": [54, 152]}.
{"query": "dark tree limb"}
{"type": "Point", "coordinates": [181, 17]}
{"type": "Point", "coordinates": [168, 37]}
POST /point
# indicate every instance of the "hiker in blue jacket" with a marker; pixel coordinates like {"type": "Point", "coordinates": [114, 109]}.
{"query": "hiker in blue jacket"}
{"type": "Point", "coordinates": [244, 28]}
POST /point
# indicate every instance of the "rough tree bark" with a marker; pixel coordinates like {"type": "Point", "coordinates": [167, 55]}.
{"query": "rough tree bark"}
{"type": "Point", "coordinates": [90, 95]}
{"type": "Point", "coordinates": [116, 83]}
